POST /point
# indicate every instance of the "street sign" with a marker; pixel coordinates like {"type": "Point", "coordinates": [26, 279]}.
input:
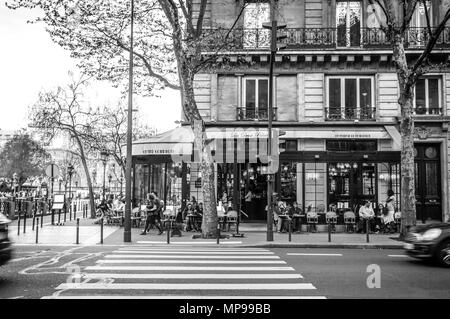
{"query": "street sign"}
{"type": "Point", "coordinates": [52, 170]}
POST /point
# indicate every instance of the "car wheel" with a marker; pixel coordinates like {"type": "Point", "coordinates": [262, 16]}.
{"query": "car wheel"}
{"type": "Point", "coordinates": [443, 253]}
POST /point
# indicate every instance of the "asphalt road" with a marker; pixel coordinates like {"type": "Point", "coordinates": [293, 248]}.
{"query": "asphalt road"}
{"type": "Point", "coordinates": [139, 271]}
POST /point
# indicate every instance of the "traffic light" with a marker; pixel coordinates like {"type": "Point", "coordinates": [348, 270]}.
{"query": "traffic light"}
{"type": "Point", "coordinates": [276, 43]}
{"type": "Point", "coordinates": [276, 142]}
{"type": "Point", "coordinates": [274, 158]}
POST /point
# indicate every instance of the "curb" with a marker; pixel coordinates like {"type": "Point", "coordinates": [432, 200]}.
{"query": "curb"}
{"type": "Point", "coordinates": [337, 246]}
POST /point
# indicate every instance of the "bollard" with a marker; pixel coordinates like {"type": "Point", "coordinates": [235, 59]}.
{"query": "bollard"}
{"type": "Point", "coordinates": [59, 216]}
{"type": "Point", "coordinates": [168, 232]}
{"type": "Point", "coordinates": [101, 231]}
{"type": "Point", "coordinates": [218, 233]}
{"type": "Point", "coordinates": [24, 222]}
{"type": "Point", "coordinates": [329, 232]}
{"type": "Point", "coordinates": [290, 230]}
{"type": "Point", "coordinates": [37, 230]}
{"type": "Point", "coordinates": [78, 230]}
{"type": "Point", "coordinates": [53, 217]}
{"type": "Point", "coordinates": [367, 230]}
{"type": "Point", "coordinates": [34, 220]}
{"type": "Point", "coordinates": [65, 212]}
{"type": "Point", "coordinates": [18, 224]}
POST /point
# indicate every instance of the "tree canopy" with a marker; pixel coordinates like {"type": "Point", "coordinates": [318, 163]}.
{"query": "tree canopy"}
{"type": "Point", "coordinates": [23, 156]}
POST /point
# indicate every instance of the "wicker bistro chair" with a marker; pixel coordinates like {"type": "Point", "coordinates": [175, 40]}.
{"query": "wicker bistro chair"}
{"type": "Point", "coordinates": [349, 221]}
{"type": "Point", "coordinates": [312, 219]}
{"type": "Point", "coordinates": [231, 219]}
{"type": "Point", "coordinates": [331, 219]}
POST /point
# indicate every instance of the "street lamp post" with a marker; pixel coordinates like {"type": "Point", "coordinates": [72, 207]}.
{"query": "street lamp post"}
{"type": "Point", "coordinates": [70, 170]}
{"type": "Point", "coordinates": [104, 156]}
{"type": "Point", "coordinates": [127, 226]}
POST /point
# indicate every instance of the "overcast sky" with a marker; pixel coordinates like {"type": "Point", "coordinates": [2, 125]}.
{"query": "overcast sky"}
{"type": "Point", "coordinates": [31, 62]}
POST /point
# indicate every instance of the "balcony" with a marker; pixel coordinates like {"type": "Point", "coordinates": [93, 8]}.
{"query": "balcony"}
{"type": "Point", "coordinates": [350, 114]}
{"type": "Point", "coordinates": [318, 38]}
{"type": "Point", "coordinates": [428, 111]}
{"type": "Point", "coordinates": [243, 114]}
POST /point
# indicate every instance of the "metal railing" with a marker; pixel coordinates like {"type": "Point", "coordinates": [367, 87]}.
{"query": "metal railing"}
{"type": "Point", "coordinates": [243, 114]}
{"type": "Point", "coordinates": [428, 111]}
{"type": "Point", "coordinates": [307, 38]}
{"type": "Point", "coordinates": [342, 114]}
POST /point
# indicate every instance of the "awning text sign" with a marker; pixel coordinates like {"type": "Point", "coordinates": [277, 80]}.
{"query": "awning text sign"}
{"type": "Point", "coordinates": [162, 149]}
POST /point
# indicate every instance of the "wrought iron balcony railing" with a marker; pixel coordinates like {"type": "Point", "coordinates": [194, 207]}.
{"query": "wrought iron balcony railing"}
{"type": "Point", "coordinates": [428, 111]}
{"type": "Point", "coordinates": [244, 114]}
{"type": "Point", "coordinates": [308, 38]}
{"type": "Point", "coordinates": [347, 114]}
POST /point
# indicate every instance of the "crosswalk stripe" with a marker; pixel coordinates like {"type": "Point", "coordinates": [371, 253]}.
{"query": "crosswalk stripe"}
{"type": "Point", "coordinates": [208, 248]}
{"type": "Point", "coordinates": [201, 268]}
{"type": "Point", "coordinates": [178, 297]}
{"type": "Point", "coordinates": [190, 286]}
{"type": "Point", "coordinates": [192, 252]}
{"type": "Point", "coordinates": [190, 242]}
{"type": "Point", "coordinates": [164, 261]}
{"type": "Point", "coordinates": [192, 276]}
{"type": "Point", "coordinates": [193, 257]}
{"type": "Point", "coordinates": [307, 254]}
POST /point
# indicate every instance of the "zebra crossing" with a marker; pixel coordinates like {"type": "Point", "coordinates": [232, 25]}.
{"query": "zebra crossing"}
{"type": "Point", "coordinates": [176, 272]}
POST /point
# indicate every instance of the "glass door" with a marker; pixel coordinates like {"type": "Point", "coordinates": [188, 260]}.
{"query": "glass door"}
{"type": "Point", "coordinates": [348, 23]}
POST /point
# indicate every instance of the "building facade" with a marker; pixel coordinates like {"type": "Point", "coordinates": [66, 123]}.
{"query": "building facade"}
{"type": "Point", "coordinates": [335, 96]}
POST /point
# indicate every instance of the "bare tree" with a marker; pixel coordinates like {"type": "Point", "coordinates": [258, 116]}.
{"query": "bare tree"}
{"type": "Point", "coordinates": [63, 111]}
{"type": "Point", "coordinates": [394, 17]}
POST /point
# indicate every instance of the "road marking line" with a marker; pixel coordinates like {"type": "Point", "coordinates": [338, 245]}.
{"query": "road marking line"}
{"type": "Point", "coordinates": [193, 257]}
{"type": "Point", "coordinates": [215, 252]}
{"type": "Point", "coordinates": [192, 276]}
{"type": "Point", "coordinates": [147, 268]}
{"type": "Point", "coordinates": [190, 242]}
{"type": "Point", "coordinates": [163, 261]}
{"type": "Point", "coordinates": [398, 256]}
{"type": "Point", "coordinates": [180, 297]}
{"type": "Point", "coordinates": [169, 248]}
{"type": "Point", "coordinates": [190, 286]}
{"type": "Point", "coordinates": [307, 254]}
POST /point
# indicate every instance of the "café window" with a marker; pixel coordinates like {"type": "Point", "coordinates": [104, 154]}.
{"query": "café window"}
{"type": "Point", "coordinates": [351, 145]}
{"type": "Point", "coordinates": [256, 98]}
{"type": "Point", "coordinates": [428, 96]}
{"type": "Point", "coordinates": [350, 98]}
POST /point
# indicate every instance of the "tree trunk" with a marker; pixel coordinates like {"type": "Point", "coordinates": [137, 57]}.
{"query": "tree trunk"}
{"type": "Point", "coordinates": [405, 79]}
{"type": "Point", "coordinates": [209, 221]}
{"type": "Point", "coordinates": [408, 197]}
{"type": "Point", "coordinates": [88, 176]}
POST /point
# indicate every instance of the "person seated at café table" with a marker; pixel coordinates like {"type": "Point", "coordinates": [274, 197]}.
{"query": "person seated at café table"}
{"type": "Point", "coordinates": [188, 216]}
{"type": "Point", "coordinates": [310, 212]}
{"type": "Point", "coordinates": [295, 211]}
{"type": "Point", "coordinates": [198, 211]}
{"type": "Point", "coordinates": [287, 218]}
{"type": "Point", "coordinates": [366, 214]}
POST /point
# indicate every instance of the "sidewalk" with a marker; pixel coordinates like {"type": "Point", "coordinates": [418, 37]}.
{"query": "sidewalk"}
{"type": "Point", "coordinates": [254, 236]}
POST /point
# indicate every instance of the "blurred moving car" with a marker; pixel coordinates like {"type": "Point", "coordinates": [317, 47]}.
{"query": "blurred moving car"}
{"type": "Point", "coordinates": [5, 243]}
{"type": "Point", "coordinates": [430, 241]}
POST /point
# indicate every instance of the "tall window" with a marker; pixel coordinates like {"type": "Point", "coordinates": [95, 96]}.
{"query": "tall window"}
{"type": "Point", "coordinates": [417, 32]}
{"type": "Point", "coordinates": [350, 98]}
{"type": "Point", "coordinates": [348, 23]}
{"type": "Point", "coordinates": [256, 95]}
{"type": "Point", "coordinates": [255, 14]}
{"type": "Point", "coordinates": [427, 97]}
